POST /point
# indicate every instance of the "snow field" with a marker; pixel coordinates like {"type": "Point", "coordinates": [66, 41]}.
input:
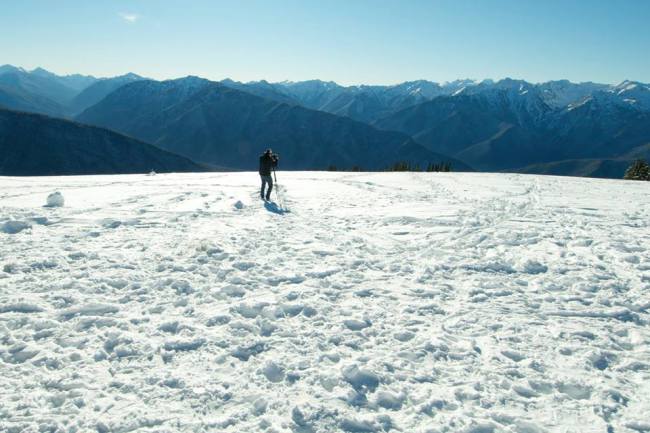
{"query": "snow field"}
{"type": "Point", "coordinates": [371, 302]}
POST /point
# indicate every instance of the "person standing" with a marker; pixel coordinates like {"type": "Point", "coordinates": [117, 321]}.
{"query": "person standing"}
{"type": "Point", "coordinates": [268, 161]}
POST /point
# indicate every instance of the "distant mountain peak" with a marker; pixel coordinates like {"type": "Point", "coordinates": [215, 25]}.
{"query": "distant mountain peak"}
{"type": "Point", "coordinates": [188, 80]}
{"type": "Point", "coordinates": [633, 93]}
{"type": "Point", "coordinates": [10, 68]}
{"type": "Point", "coordinates": [131, 75]}
{"type": "Point", "coordinates": [314, 82]}
{"type": "Point", "coordinates": [42, 72]}
{"type": "Point", "coordinates": [463, 82]}
{"type": "Point", "coordinates": [625, 86]}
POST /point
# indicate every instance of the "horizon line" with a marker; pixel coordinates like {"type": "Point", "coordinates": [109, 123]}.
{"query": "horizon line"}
{"type": "Point", "coordinates": [442, 83]}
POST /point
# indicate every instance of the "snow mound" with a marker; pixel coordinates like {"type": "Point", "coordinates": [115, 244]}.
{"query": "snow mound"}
{"type": "Point", "coordinates": [55, 200]}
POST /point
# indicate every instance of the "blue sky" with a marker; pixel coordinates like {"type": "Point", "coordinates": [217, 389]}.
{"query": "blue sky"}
{"type": "Point", "coordinates": [347, 41]}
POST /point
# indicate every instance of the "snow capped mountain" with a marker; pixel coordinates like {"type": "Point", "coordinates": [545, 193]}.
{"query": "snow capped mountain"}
{"type": "Point", "coordinates": [519, 98]}
{"type": "Point", "coordinates": [364, 103]}
{"type": "Point", "coordinates": [627, 97]}
{"type": "Point", "coordinates": [314, 94]}
{"type": "Point", "coordinates": [626, 86]}
{"type": "Point", "coordinates": [562, 93]}
{"type": "Point", "coordinates": [310, 86]}
{"type": "Point", "coordinates": [420, 89]}
{"type": "Point", "coordinates": [370, 103]}
{"type": "Point", "coordinates": [507, 125]}
{"type": "Point", "coordinates": [633, 93]}
{"type": "Point", "coordinates": [263, 89]}
{"type": "Point", "coordinates": [458, 86]}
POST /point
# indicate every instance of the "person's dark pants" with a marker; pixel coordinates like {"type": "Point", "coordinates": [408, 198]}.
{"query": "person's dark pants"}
{"type": "Point", "coordinates": [266, 180]}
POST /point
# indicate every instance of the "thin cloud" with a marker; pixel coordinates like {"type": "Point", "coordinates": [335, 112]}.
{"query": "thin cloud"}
{"type": "Point", "coordinates": [129, 18]}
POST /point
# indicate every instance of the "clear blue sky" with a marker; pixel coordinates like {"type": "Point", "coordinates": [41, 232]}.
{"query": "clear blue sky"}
{"type": "Point", "coordinates": [348, 41]}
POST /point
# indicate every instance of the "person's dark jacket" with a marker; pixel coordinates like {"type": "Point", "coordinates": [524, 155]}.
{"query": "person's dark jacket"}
{"type": "Point", "coordinates": [267, 163]}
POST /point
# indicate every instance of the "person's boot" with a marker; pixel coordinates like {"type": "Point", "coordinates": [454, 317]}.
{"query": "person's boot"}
{"type": "Point", "coordinates": [268, 197]}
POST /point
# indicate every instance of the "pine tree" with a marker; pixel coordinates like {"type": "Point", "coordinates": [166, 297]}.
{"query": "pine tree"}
{"type": "Point", "coordinates": [407, 166]}
{"type": "Point", "coordinates": [399, 166]}
{"type": "Point", "coordinates": [639, 170]}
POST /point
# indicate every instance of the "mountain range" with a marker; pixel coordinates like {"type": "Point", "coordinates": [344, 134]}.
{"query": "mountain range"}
{"type": "Point", "coordinates": [363, 103]}
{"type": "Point", "coordinates": [507, 125]}
{"type": "Point", "coordinates": [557, 127]}
{"type": "Point", "coordinates": [219, 125]}
{"type": "Point", "coordinates": [511, 125]}
{"type": "Point", "coordinates": [44, 92]}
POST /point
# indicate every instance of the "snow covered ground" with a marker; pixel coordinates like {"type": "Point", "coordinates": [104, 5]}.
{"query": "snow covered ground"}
{"type": "Point", "coordinates": [403, 302]}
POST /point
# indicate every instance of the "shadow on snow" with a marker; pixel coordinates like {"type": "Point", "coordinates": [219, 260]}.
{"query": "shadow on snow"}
{"type": "Point", "coordinates": [273, 207]}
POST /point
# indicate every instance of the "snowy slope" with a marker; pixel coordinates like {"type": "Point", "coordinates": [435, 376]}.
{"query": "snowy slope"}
{"type": "Point", "coordinates": [380, 302]}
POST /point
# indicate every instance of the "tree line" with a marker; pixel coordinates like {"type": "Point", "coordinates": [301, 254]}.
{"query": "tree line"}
{"type": "Point", "coordinates": [639, 170]}
{"type": "Point", "coordinates": [402, 166]}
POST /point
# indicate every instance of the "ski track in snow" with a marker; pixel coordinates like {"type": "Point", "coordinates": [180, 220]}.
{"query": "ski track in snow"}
{"type": "Point", "coordinates": [372, 302]}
